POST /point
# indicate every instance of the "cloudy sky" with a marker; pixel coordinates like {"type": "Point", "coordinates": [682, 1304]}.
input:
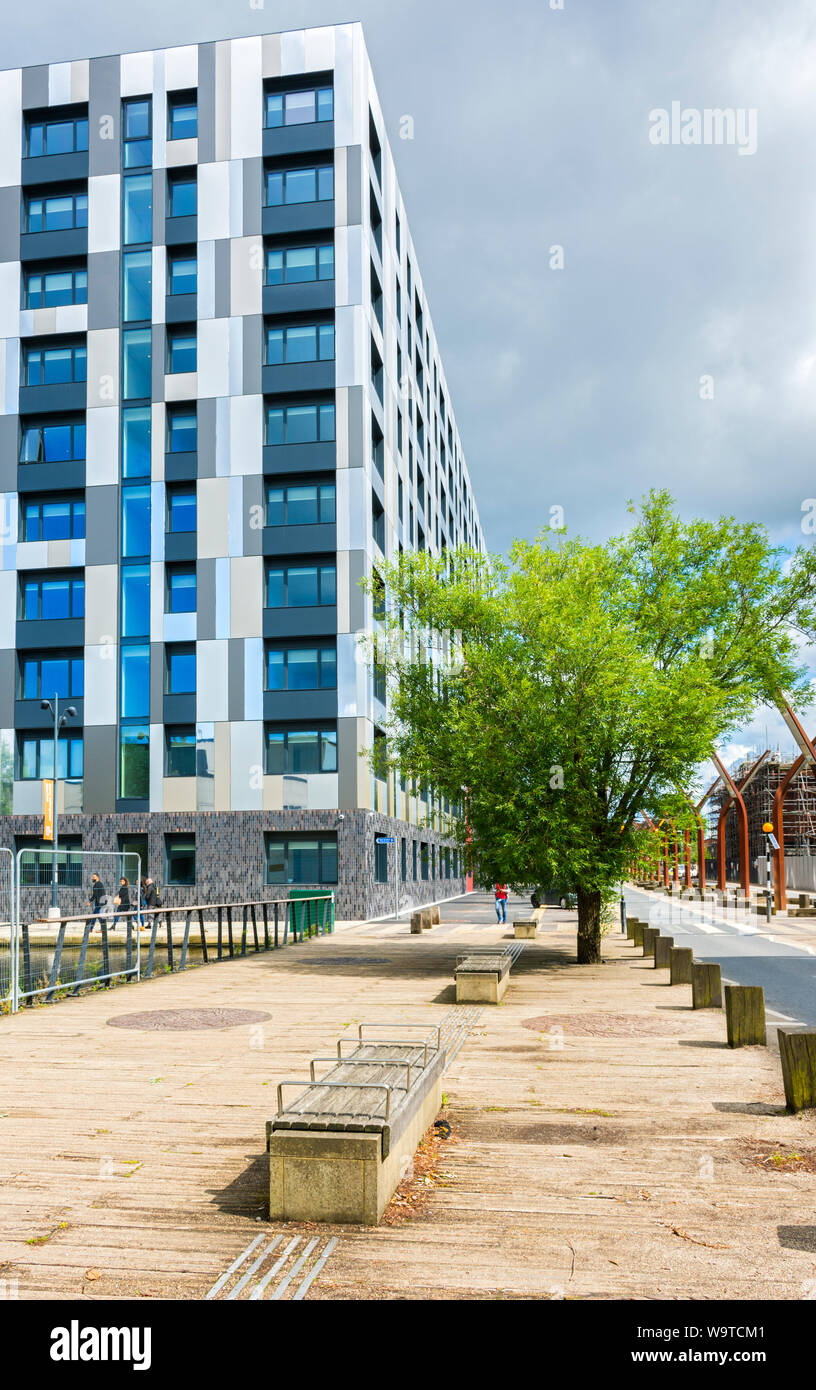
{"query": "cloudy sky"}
{"type": "Point", "coordinates": [677, 346]}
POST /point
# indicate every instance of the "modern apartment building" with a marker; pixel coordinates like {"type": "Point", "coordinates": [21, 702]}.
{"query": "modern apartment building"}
{"type": "Point", "coordinates": [223, 403]}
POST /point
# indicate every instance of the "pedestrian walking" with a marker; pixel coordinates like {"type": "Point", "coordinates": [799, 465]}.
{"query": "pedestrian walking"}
{"type": "Point", "coordinates": [96, 901]}
{"type": "Point", "coordinates": [150, 900]}
{"type": "Point", "coordinates": [122, 900]}
{"type": "Point", "coordinates": [500, 895]}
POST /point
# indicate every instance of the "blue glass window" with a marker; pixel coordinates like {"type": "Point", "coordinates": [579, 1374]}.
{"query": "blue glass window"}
{"type": "Point", "coordinates": [182, 116]}
{"type": "Point", "coordinates": [59, 520]}
{"type": "Point", "coordinates": [135, 601]}
{"type": "Point", "coordinates": [299, 108]}
{"type": "Point", "coordinates": [181, 510]}
{"type": "Point", "coordinates": [183, 274]}
{"type": "Point", "coordinates": [182, 192]}
{"type": "Point", "coordinates": [181, 590]}
{"type": "Point", "coordinates": [284, 186]}
{"type": "Point", "coordinates": [301, 586]}
{"type": "Point", "coordinates": [136, 360]}
{"type": "Point", "coordinates": [48, 599]}
{"type": "Point", "coordinates": [44, 137]}
{"type": "Point", "coordinates": [138, 209]}
{"type": "Point", "coordinates": [136, 441]}
{"type": "Point", "coordinates": [43, 677]}
{"type": "Point", "coordinates": [137, 282]}
{"type": "Point", "coordinates": [300, 343]}
{"type": "Point", "coordinates": [181, 430]}
{"type": "Point", "coordinates": [301, 668]}
{"type": "Point", "coordinates": [181, 670]}
{"type": "Point", "coordinates": [47, 288]}
{"type": "Point", "coordinates": [181, 350]}
{"type": "Point", "coordinates": [180, 752]}
{"type": "Point", "coordinates": [136, 132]}
{"type": "Point", "coordinates": [300, 504]}
{"type": "Point", "coordinates": [299, 264]}
{"type": "Point", "coordinates": [134, 701]}
{"type": "Point", "coordinates": [135, 522]}
{"type": "Point", "coordinates": [300, 750]}
{"type": "Point", "coordinates": [56, 212]}
{"type": "Point", "coordinates": [56, 442]}
{"type": "Point", "coordinates": [37, 756]}
{"type": "Point", "coordinates": [54, 366]}
{"type": "Point", "coordinates": [134, 763]}
{"type": "Point", "coordinates": [300, 424]}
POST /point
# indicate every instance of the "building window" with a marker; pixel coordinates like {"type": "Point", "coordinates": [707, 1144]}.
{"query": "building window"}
{"type": "Point", "coordinates": [58, 441]}
{"type": "Point", "coordinates": [134, 766]}
{"type": "Point", "coordinates": [300, 504]}
{"type": "Point", "coordinates": [301, 586]}
{"type": "Point", "coordinates": [36, 863]}
{"type": "Point", "coordinates": [300, 424]}
{"type": "Point", "coordinates": [423, 860]}
{"type": "Point", "coordinates": [134, 682]}
{"type": "Point", "coordinates": [285, 186]}
{"type": "Point", "coordinates": [180, 752]}
{"type": "Point", "coordinates": [36, 756]}
{"type": "Point", "coordinates": [181, 670]}
{"type": "Point", "coordinates": [181, 350]}
{"type": "Point", "coordinates": [182, 272]}
{"type": "Point", "coordinates": [299, 859]}
{"type": "Point", "coordinates": [51, 598]}
{"type": "Point", "coordinates": [135, 600]}
{"type": "Point", "coordinates": [136, 364]}
{"type": "Point", "coordinates": [380, 861]}
{"type": "Point", "coordinates": [182, 430]}
{"type": "Point", "coordinates": [404, 859]}
{"type": "Point", "coordinates": [414, 858]}
{"type": "Point", "coordinates": [181, 589]}
{"type": "Point", "coordinates": [299, 108]}
{"type": "Point", "coordinates": [300, 343]}
{"type": "Point", "coordinates": [293, 265]}
{"type": "Point", "coordinates": [55, 135]}
{"type": "Point", "coordinates": [182, 116]}
{"type": "Point", "coordinates": [61, 519]}
{"type": "Point", "coordinates": [301, 668]}
{"type": "Point", "coordinates": [55, 212]}
{"type": "Point", "coordinates": [135, 522]}
{"type": "Point", "coordinates": [45, 289]}
{"type": "Point", "coordinates": [137, 132]}
{"type": "Point", "coordinates": [378, 521]}
{"type": "Point", "coordinates": [42, 676]}
{"type": "Point", "coordinates": [54, 366]}
{"type": "Point", "coordinates": [301, 751]}
{"type": "Point", "coordinates": [182, 194]}
{"type": "Point", "coordinates": [137, 281]}
{"type": "Point", "coordinates": [136, 441]}
{"type": "Point", "coordinates": [181, 510]}
{"type": "Point", "coordinates": [137, 209]}
{"type": "Point", "coordinates": [180, 860]}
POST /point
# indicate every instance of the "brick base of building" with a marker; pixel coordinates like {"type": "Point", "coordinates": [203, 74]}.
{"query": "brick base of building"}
{"type": "Point", "coordinates": [230, 857]}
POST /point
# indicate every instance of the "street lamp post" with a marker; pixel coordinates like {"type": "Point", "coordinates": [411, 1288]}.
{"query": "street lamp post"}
{"type": "Point", "coordinates": [771, 843]}
{"type": "Point", "coordinates": [59, 721]}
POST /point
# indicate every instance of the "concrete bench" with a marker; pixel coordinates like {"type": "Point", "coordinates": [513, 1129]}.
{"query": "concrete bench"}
{"type": "Point", "coordinates": [482, 977]}
{"type": "Point", "coordinates": [339, 1150]}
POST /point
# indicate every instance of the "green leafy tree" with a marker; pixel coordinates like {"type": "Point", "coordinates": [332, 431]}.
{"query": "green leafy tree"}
{"type": "Point", "coordinates": [592, 680]}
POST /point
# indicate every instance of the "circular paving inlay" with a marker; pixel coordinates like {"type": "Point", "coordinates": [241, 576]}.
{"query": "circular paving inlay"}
{"type": "Point", "coordinates": [604, 1025]}
{"type": "Point", "coordinates": [188, 1020]}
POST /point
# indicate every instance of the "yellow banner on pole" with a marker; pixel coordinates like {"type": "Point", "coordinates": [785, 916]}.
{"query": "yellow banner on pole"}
{"type": "Point", "coordinates": [48, 810]}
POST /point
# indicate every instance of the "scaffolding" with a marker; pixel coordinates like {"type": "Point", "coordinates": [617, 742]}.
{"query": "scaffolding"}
{"type": "Point", "coordinates": [799, 810]}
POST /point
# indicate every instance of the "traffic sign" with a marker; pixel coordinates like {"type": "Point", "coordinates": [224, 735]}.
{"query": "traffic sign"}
{"type": "Point", "coordinates": [385, 839]}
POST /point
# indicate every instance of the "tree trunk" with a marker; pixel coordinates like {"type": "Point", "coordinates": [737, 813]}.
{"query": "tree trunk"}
{"type": "Point", "coordinates": [589, 927]}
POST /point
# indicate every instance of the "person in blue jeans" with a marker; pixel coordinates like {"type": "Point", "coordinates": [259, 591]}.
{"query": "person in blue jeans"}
{"type": "Point", "coordinates": [500, 895]}
{"type": "Point", "coordinates": [97, 899]}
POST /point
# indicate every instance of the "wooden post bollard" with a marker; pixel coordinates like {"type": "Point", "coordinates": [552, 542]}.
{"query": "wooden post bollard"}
{"type": "Point", "coordinates": [416, 923]}
{"type": "Point", "coordinates": [681, 959]}
{"type": "Point", "coordinates": [427, 919]}
{"type": "Point", "coordinates": [745, 1015]}
{"type": "Point", "coordinates": [797, 1053]}
{"type": "Point", "coordinates": [631, 923]}
{"type": "Point", "coordinates": [435, 917]}
{"type": "Point", "coordinates": [649, 936]}
{"type": "Point", "coordinates": [706, 986]}
{"type": "Point", "coordinates": [662, 952]}
{"type": "Point", "coordinates": [637, 933]}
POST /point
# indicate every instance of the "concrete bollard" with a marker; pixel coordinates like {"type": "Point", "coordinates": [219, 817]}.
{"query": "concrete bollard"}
{"type": "Point", "coordinates": [681, 959]}
{"type": "Point", "coordinates": [797, 1053]}
{"type": "Point", "coordinates": [662, 952]}
{"type": "Point", "coordinates": [745, 1015]}
{"type": "Point", "coordinates": [649, 936]}
{"type": "Point", "coordinates": [706, 986]}
{"type": "Point", "coordinates": [524, 930]}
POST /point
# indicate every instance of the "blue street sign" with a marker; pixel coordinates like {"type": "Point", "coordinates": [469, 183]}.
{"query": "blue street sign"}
{"type": "Point", "coordinates": [385, 839]}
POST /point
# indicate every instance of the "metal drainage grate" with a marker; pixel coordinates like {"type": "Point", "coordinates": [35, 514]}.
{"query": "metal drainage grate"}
{"type": "Point", "coordinates": [187, 1020]}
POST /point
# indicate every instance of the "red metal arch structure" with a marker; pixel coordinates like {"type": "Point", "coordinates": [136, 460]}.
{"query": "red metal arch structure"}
{"type": "Point", "coordinates": [736, 789]}
{"type": "Point", "coordinates": [807, 756]}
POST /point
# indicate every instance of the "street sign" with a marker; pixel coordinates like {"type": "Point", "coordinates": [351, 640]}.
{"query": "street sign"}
{"type": "Point", "coordinates": [385, 839]}
{"type": "Point", "coordinates": [48, 810]}
{"type": "Point", "coordinates": [772, 841]}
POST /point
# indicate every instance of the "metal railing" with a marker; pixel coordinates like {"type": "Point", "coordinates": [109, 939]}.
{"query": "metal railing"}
{"type": "Point", "coordinates": [179, 937]}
